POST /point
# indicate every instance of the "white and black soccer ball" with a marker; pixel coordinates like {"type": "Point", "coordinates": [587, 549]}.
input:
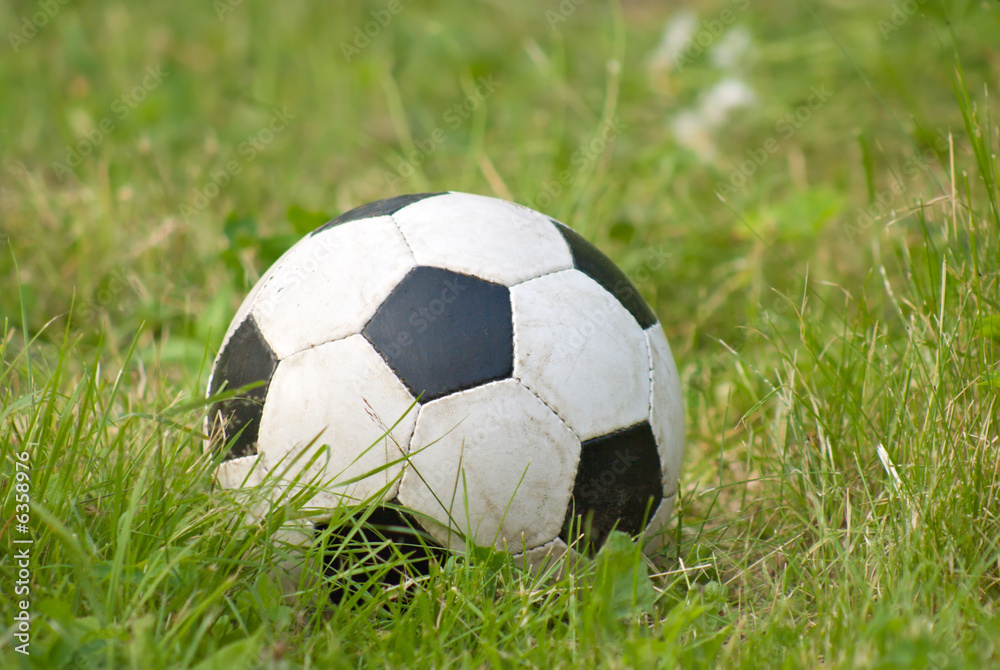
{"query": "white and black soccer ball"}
{"type": "Point", "coordinates": [484, 365]}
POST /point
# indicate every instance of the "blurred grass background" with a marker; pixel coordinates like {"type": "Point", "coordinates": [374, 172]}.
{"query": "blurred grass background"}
{"type": "Point", "coordinates": [797, 188]}
{"type": "Point", "coordinates": [353, 122]}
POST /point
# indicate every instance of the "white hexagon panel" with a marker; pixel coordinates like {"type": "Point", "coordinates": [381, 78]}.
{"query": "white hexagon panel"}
{"type": "Point", "coordinates": [581, 351]}
{"type": "Point", "coordinates": [336, 413]}
{"type": "Point", "coordinates": [487, 238]}
{"type": "Point", "coordinates": [494, 464]}
{"type": "Point", "coordinates": [330, 284]}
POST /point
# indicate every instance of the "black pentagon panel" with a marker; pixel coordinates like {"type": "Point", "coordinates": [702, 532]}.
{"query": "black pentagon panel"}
{"type": "Point", "coordinates": [442, 332]}
{"type": "Point", "coordinates": [618, 486]}
{"type": "Point", "coordinates": [385, 207]}
{"type": "Point", "coordinates": [358, 550]}
{"type": "Point", "coordinates": [591, 261]}
{"type": "Point", "coordinates": [244, 360]}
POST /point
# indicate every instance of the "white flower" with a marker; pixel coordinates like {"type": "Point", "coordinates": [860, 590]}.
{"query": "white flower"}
{"type": "Point", "coordinates": [693, 128]}
{"type": "Point", "coordinates": [732, 50]}
{"type": "Point", "coordinates": [691, 132]}
{"type": "Point", "coordinates": [722, 99]}
{"type": "Point", "coordinates": [676, 36]}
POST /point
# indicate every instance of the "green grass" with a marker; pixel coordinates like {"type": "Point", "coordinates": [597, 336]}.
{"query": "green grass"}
{"type": "Point", "coordinates": [835, 317]}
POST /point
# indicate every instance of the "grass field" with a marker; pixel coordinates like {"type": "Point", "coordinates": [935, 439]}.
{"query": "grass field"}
{"type": "Point", "coordinates": [807, 193]}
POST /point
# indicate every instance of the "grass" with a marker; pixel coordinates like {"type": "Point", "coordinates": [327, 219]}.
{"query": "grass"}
{"type": "Point", "coordinates": [826, 273]}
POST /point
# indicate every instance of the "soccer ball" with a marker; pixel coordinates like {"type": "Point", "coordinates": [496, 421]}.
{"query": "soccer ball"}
{"type": "Point", "coordinates": [466, 359]}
